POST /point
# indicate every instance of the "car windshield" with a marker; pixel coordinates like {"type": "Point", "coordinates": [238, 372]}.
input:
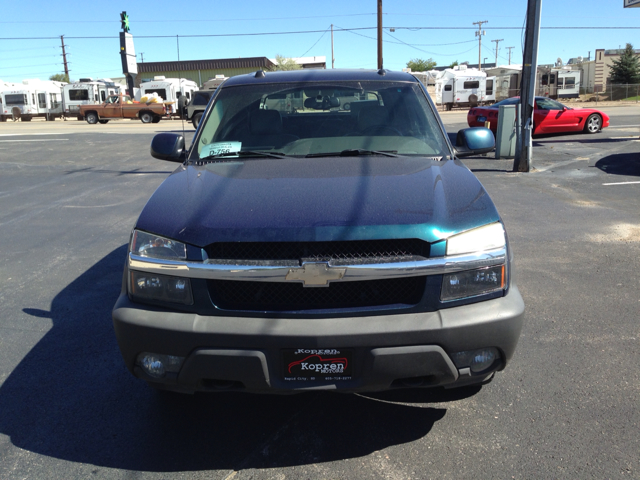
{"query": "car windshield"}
{"type": "Point", "coordinates": [317, 118]}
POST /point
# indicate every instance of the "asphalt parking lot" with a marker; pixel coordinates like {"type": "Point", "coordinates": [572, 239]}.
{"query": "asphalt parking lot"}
{"type": "Point", "coordinates": [566, 407]}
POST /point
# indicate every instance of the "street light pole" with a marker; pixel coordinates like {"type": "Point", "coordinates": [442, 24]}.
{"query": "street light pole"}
{"type": "Point", "coordinates": [524, 127]}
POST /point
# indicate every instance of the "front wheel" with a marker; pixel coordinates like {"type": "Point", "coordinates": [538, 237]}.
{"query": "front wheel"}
{"type": "Point", "coordinates": [146, 117]}
{"type": "Point", "coordinates": [104, 121]}
{"type": "Point", "coordinates": [156, 119]}
{"type": "Point", "coordinates": [593, 123]}
{"type": "Point", "coordinates": [91, 118]}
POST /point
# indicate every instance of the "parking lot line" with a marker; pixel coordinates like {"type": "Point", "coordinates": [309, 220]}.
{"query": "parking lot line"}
{"type": "Point", "coordinates": [620, 183]}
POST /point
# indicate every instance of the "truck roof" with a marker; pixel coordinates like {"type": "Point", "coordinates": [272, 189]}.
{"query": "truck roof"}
{"type": "Point", "coordinates": [320, 75]}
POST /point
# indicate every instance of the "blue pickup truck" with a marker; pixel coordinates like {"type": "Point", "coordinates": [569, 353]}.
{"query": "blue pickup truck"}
{"type": "Point", "coordinates": [333, 243]}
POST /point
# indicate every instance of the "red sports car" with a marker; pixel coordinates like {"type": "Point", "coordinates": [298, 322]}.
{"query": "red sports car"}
{"type": "Point", "coordinates": [549, 116]}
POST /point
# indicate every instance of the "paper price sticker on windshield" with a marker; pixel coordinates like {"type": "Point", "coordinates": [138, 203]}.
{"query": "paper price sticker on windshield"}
{"type": "Point", "coordinates": [220, 148]}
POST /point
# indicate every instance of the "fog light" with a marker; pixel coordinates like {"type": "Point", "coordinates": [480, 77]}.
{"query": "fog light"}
{"type": "Point", "coordinates": [476, 360]}
{"type": "Point", "coordinates": [157, 365]}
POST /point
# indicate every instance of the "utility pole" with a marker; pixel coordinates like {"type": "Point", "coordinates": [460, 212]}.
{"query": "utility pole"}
{"type": "Point", "coordinates": [497, 42]}
{"type": "Point", "coordinates": [141, 57]}
{"type": "Point", "coordinates": [522, 160]}
{"type": "Point", "coordinates": [333, 59]}
{"type": "Point", "coordinates": [64, 57]}
{"type": "Point", "coordinates": [510, 48]}
{"type": "Point", "coordinates": [479, 34]}
{"type": "Point", "coordinates": [379, 34]}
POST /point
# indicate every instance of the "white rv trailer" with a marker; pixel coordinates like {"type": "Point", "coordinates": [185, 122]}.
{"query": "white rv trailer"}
{"type": "Point", "coordinates": [169, 89]}
{"type": "Point", "coordinates": [86, 92]}
{"type": "Point", "coordinates": [214, 83]}
{"type": "Point", "coordinates": [558, 82]}
{"type": "Point", "coordinates": [32, 98]}
{"type": "Point", "coordinates": [464, 87]}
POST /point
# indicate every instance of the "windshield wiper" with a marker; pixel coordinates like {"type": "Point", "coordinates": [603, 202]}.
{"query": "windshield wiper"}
{"type": "Point", "coordinates": [354, 152]}
{"type": "Point", "coordinates": [241, 153]}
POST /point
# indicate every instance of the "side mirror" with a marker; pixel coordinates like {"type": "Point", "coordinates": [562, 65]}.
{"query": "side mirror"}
{"type": "Point", "coordinates": [474, 141]}
{"type": "Point", "coordinates": [168, 146]}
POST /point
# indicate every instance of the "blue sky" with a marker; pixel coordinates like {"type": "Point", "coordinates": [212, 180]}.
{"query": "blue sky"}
{"type": "Point", "coordinates": [24, 53]}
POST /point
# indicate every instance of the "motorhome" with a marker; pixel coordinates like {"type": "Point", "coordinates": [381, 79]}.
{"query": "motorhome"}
{"type": "Point", "coordinates": [86, 92]}
{"type": "Point", "coordinates": [32, 98]}
{"type": "Point", "coordinates": [170, 90]}
{"type": "Point", "coordinates": [463, 87]}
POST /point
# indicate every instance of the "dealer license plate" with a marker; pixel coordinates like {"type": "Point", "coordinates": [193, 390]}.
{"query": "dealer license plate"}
{"type": "Point", "coordinates": [482, 119]}
{"type": "Point", "coordinates": [314, 365]}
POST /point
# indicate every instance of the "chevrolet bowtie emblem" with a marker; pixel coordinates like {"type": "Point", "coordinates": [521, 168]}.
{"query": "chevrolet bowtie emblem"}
{"type": "Point", "coordinates": [313, 274]}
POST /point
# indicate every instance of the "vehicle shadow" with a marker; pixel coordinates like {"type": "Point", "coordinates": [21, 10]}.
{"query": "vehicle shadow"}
{"type": "Point", "coordinates": [71, 398]}
{"type": "Point", "coordinates": [548, 138]}
{"type": "Point", "coordinates": [620, 164]}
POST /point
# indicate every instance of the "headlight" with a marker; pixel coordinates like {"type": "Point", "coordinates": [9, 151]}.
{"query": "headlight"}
{"type": "Point", "coordinates": [471, 283]}
{"type": "Point", "coordinates": [477, 240]}
{"type": "Point", "coordinates": [165, 288]}
{"type": "Point", "coordinates": [154, 246]}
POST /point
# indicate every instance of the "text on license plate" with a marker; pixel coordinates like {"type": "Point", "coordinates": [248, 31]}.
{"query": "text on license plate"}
{"type": "Point", "coordinates": [482, 119]}
{"type": "Point", "coordinates": [317, 364]}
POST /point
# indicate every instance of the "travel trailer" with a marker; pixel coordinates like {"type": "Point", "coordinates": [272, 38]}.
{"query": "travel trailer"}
{"type": "Point", "coordinates": [32, 98]}
{"type": "Point", "coordinates": [463, 87]}
{"type": "Point", "coordinates": [170, 90]}
{"type": "Point", "coordinates": [86, 92]}
{"type": "Point", "coordinates": [214, 83]}
{"type": "Point", "coordinates": [558, 82]}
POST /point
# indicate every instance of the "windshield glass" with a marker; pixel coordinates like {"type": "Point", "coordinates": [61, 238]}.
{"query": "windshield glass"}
{"type": "Point", "coordinates": [316, 118]}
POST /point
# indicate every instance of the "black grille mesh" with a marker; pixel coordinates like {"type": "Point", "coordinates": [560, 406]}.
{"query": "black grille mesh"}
{"type": "Point", "coordinates": [320, 251]}
{"type": "Point", "coordinates": [267, 296]}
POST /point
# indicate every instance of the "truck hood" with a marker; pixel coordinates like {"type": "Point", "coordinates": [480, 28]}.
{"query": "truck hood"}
{"type": "Point", "coordinates": [317, 199]}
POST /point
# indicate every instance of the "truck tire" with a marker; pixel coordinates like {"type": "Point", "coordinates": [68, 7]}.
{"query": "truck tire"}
{"type": "Point", "coordinates": [156, 119]}
{"type": "Point", "coordinates": [196, 119]}
{"type": "Point", "coordinates": [91, 118]}
{"type": "Point", "coordinates": [103, 121]}
{"type": "Point", "coordinates": [146, 117]}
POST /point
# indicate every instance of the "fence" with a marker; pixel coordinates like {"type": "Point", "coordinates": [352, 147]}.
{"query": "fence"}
{"type": "Point", "coordinates": [612, 92]}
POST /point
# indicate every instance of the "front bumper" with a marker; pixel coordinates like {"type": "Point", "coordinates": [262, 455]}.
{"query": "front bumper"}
{"type": "Point", "coordinates": [389, 351]}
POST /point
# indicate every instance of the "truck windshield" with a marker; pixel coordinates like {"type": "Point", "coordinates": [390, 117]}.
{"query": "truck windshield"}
{"type": "Point", "coordinates": [315, 118]}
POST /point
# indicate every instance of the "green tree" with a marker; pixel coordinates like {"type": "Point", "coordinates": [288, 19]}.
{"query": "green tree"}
{"type": "Point", "coordinates": [60, 77]}
{"type": "Point", "coordinates": [626, 69]}
{"type": "Point", "coordinates": [420, 65]}
{"type": "Point", "coordinates": [455, 63]}
{"type": "Point", "coordinates": [284, 63]}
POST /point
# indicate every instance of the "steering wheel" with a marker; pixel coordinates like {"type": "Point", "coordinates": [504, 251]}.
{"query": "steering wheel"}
{"type": "Point", "coordinates": [379, 129]}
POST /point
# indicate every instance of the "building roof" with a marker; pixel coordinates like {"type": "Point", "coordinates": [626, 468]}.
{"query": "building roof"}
{"type": "Point", "coordinates": [216, 64]}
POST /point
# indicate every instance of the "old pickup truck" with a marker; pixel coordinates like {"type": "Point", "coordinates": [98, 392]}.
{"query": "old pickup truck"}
{"type": "Point", "coordinates": [120, 106]}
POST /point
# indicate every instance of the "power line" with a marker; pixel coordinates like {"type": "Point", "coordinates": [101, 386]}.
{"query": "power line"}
{"type": "Point", "coordinates": [312, 31]}
{"type": "Point", "coordinates": [321, 37]}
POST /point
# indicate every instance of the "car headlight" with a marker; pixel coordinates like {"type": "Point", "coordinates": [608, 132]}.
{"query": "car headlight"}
{"type": "Point", "coordinates": [479, 281]}
{"type": "Point", "coordinates": [154, 246]}
{"type": "Point", "coordinates": [479, 239]}
{"type": "Point", "coordinates": [152, 286]}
